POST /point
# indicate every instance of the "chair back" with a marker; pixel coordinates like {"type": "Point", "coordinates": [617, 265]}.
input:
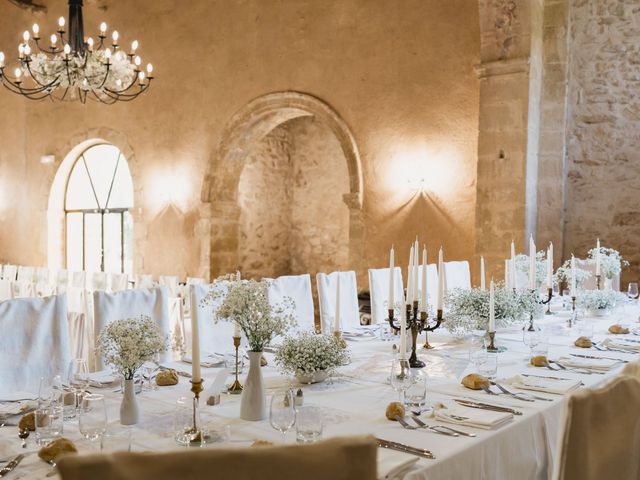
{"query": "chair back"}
{"type": "Point", "coordinates": [215, 334]}
{"type": "Point", "coordinates": [118, 282]}
{"type": "Point", "coordinates": [34, 343]}
{"type": "Point", "coordinates": [108, 307]}
{"type": "Point", "coordinates": [379, 292]}
{"type": "Point", "coordinates": [99, 281]}
{"type": "Point", "coordinates": [601, 436]}
{"type": "Point", "coordinates": [348, 458]}
{"type": "Point", "coordinates": [327, 298]}
{"type": "Point", "coordinates": [26, 274]}
{"type": "Point", "coordinates": [298, 288]}
{"type": "Point", "coordinates": [457, 275]}
{"type": "Point", "coordinates": [6, 292]}
{"type": "Point", "coordinates": [144, 281]}
{"type": "Point", "coordinates": [171, 284]}
{"type": "Point", "coordinates": [10, 272]}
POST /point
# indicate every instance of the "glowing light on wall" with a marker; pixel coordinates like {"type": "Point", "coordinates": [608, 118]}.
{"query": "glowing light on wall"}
{"type": "Point", "coordinates": [169, 185]}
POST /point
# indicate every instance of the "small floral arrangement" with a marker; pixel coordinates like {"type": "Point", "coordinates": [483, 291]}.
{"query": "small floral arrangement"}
{"type": "Point", "coordinates": [246, 302]}
{"type": "Point", "coordinates": [611, 262]}
{"type": "Point", "coordinates": [563, 275]}
{"type": "Point", "coordinates": [308, 353]}
{"type": "Point", "coordinates": [468, 310]}
{"type": "Point", "coordinates": [522, 265]}
{"type": "Point", "coordinates": [598, 299]}
{"type": "Point", "coordinates": [126, 344]}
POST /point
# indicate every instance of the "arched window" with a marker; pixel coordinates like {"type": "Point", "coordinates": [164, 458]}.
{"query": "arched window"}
{"type": "Point", "coordinates": [99, 227]}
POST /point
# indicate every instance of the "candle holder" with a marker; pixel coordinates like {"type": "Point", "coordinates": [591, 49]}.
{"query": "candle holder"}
{"type": "Point", "coordinates": [338, 336]}
{"type": "Point", "coordinates": [546, 301]}
{"type": "Point", "coordinates": [416, 322]}
{"type": "Point", "coordinates": [492, 347]}
{"type": "Point", "coordinates": [236, 386]}
{"type": "Point", "coordinates": [195, 434]}
{"type": "Point", "coordinates": [574, 315]}
{"type": "Point", "coordinates": [598, 280]}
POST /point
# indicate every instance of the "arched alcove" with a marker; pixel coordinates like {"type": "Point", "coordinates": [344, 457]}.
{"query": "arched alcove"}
{"type": "Point", "coordinates": [243, 134]}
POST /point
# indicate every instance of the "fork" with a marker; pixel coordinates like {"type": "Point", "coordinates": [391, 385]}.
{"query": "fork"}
{"type": "Point", "coordinates": [435, 429]}
{"type": "Point", "coordinates": [438, 428]}
{"type": "Point", "coordinates": [521, 395]}
{"type": "Point", "coordinates": [404, 424]}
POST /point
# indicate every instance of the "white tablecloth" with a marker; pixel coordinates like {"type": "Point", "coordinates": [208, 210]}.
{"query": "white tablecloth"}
{"type": "Point", "coordinates": [355, 404]}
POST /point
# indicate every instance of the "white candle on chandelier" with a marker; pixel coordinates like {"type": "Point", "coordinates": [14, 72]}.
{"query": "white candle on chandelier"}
{"type": "Point", "coordinates": [236, 329]}
{"type": "Point", "coordinates": [137, 61]}
{"type": "Point", "coordinates": [134, 46]}
{"type": "Point", "coordinates": [195, 350]}
{"type": "Point", "coordinates": [66, 50]}
{"type": "Point", "coordinates": [61, 23]}
{"type": "Point", "coordinates": [18, 74]}
{"type": "Point", "coordinates": [336, 322]}
{"type": "Point", "coordinates": [409, 298]}
{"type": "Point", "coordinates": [90, 44]}
{"type": "Point", "coordinates": [390, 297]}
{"type": "Point", "coordinates": [423, 297]}
{"type": "Point", "coordinates": [550, 265]}
{"type": "Point", "coordinates": [27, 50]}
{"type": "Point", "coordinates": [598, 257]}
{"type": "Point", "coordinates": [36, 30]}
{"type": "Point", "coordinates": [26, 36]}
{"type": "Point", "coordinates": [20, 51]}
{"type": "Point", "coordinates": [483, 287]}
{"type": "Point", "coordinates": [107, 54]}
{"type": "Point", "coordinates": [238, 277]}
{"type": "Point", "coordinates": [532, 264]}
{"type": "Point", "coordinates": [416, 279]}
{"type": "Point", "coordinates": [1, 59]}
{"type": "Point", "coordinates": [54, 39]}
{"type": "Point", "coordinates": [492, 307]}
{"type": "Point", "coordinates": [103, 28]}
{"type": "Point", "coordinates": [115, 36]}
{"type": "Point", "coordinates": [512, 268]}
{"type": "Point", "coordinates": [573, 276]}
{"type": "Point", "coordinates": [441, 274]}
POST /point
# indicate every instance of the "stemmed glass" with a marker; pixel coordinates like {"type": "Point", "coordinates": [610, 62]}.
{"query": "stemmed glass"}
{"type": "Point", "coordinates": [632, 290]}
{"type": "Point", "coordinates": [92, 421]}
{"type": "Point", "coordinates": [49, 390]}
{"type": "Point", "coordinates": [282, 414]}
{"type": "Point", "coordinates": [401, 376]}
{"type": "Point", "coordinates": [78, 377]}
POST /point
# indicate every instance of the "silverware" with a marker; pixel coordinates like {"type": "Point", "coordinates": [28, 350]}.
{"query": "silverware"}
{"type": "Point", "coordinates": [23, 435]}
{"type": "Point", "coordinates": [547, 377]}
{"type": "Point", "coordinates": [444, 427]}
{"type": "Point", "coordinates": [11, 465]}
{"type": "Point", "coordinates": [529, 397]}
{"type": "Point", "coordinates": [420, 452]}
{"type": "Point", "coordinates": [434, 429]}
{"type": "Point", "coordinates": [404, 424]}
{"type": "Point", "coordinates": [506, 392]}
{"type": "Point", "coordinates": [593, 357]}
{"type": "Point", "coordinates": [487, 406]}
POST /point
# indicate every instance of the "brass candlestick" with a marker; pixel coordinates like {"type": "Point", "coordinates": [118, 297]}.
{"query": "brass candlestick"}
{"type": "Point", "coordinates": [236, 387]}
{"type": "Point", "coordinates": [423, 318]}
{"type": "Point", "coordinates": [338, 336]}
{"type": "Point", "coordinates": [548, 302]}
{"type": "Point", "coordinates": [195, 434]}
{"type": "Point", "coordinates": [416, 325]}
{"type": "Point", "coordinates": [598, 278]}
{"type": "Point", "coordinates": [492, 346]}
{"type": "Point", "coordinates": [573, 318]}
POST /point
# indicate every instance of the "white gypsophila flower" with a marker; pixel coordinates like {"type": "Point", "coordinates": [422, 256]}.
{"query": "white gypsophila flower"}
{"type": "Point", "coordinates": [246, 302]}
{"type": "Point", "coordinates": [611, 262]}
{"type": "Point", "coordinates": [598, 299]}
{"type": "Point", "coordinates": [126, 344]}
{"type": "Point", "coordinates": [468, 310]}
{"type": "Point", "coordinates": [522, 265]}
{"type": "Point", "coordinates": [564, 274]}
{"type": "Point", "coordinates": [308, 353]}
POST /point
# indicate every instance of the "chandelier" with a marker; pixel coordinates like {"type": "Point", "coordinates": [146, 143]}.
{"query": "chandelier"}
{"type": "Point", "coordinates": [74, 68]}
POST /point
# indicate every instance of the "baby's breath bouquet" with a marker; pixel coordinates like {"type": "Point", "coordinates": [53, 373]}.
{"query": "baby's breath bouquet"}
{"type": "Point", "coordinates": [563, 275]}
{"type": "Point", "coordinates": [522, 265]}
{"type": "Point", "coordinates": [247, 303]}
{"type": "Point", "coordinates": [595, 300]}
{"type": "Point", "coordinates": [308, 353]}
{"type": "Point", "coordinates": [126, 344]}
{"type": "Point", "coordinates": [611, 262]}
{"type": "Point", "coordinates": [468, 310]}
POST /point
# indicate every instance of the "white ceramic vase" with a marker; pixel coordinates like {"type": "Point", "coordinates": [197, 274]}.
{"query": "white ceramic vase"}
{"type": "Point", "coordinates": [315, 377]}
{"type": "Point", "coordinates": [129, 410]}
{"type": "Point", "coordinates": [253, 404]}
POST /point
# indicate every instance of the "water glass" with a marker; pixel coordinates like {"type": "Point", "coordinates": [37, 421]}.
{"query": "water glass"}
{"type": "Point", "coordinates": [230, 361]}
{"type": "Point", "coordinates": [50, 391]}
{"type": "Point", "coordinates": [486, 363]}
{"type": "Point", "coordinates": [183, 418]}
{"type": "Point", "coordinates": [282, 414]}
{"type": "Point", "coordinates": [541, 346]}
{"type": "Point", "coordinates": [416, 393]}
{"type": "Point", "coordinates": [632, 290]}
{"type": "Point", "coordinates": [308, 424]}
{"type": "Point", "coordinates": [585, 329]}
{"type": "Point", "coordinates": [92, 416]}
{"type": "Point", "coordinates": [116, 439]}
{"type": "Point", "coordinates": [49, 422]}
{"type": "Point", "coordinates": [401, 376]}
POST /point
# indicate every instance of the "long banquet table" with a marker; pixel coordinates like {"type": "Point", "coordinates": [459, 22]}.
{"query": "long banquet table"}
{"type": "Point", "coordinates": [355, 404]}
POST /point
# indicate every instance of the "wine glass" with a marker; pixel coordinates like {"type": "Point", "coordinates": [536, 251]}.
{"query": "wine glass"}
{"type": "Point", "coordinates": [401, 376]}
{"type": "Point", "coordinates": [78, 376]}
{"type": "Point", "coordinates": [282, 414]}
{"type": "Point", "coordinates": [49, 390]}
{"type": "Point", "coordinates": [632, 290]}
{"type": "Point", "coordinates": [92, 420]}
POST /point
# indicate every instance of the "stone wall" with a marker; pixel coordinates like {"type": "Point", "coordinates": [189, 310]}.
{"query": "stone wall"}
{"type": "Point", "coordinates": [603, 129]}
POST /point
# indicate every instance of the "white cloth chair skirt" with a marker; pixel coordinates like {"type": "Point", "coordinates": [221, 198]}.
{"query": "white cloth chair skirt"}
{"type": "Point", "coordinates": [379, 292]}
{"type": "Point", "coordinates": [298, 288]}
{"type": "Point", "coordinates": [327, 296]}
{"type": "Point", "coordinates": [215, 336]}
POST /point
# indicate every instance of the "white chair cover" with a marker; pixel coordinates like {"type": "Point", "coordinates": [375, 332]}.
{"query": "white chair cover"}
{"type": "Point", "coordinates": [591, 282]}
{"type": "Point", "coordinates": [34, 343]}
{"type": "Point", "coordinates": [327, 295]}
{"type": "Point", "coordinates": [171, 284]}
{"type": "Point", "coordinates": [62, 281]}
{"type": "Point", "coordinates": [144, 281]}
{"type": "Point", "coordinates": [26, 274]}
{"type": "Point", "coordinates": [6, 292]}
{"type": "Point", "coordinates": [118, 282]}
{"type": "Point", "coordinates": [78, 280]}
{"type": "Point", "coordinates": [79, 336]}
{"type": "Point", "coordinates": [298, 288]}
{"type": "Point", "coordinates": [379, 292]}
{"type": "Point", "coordinates": [215, 336]}
{"type": "Point", "coordinates": [24, 289]}
{"type": "Point", "coordinates": [99, 281]}
{"type": "Point", "coordinates": [108, 307]}
{"type": "Point", "coordinates": [195, 281]}
{"type": "Point", "coordinates": [457, 275]}
{"type": "Point", "coordinates": [432, 284]}
{"type": "Point", "coordinates": [601, 437]}
{"type": "Point", "coordinates": [44, 289]}
{"type": "Point", "coordinates": [43, 274]}
{"type": "Point", "coordinates": [10, 272]}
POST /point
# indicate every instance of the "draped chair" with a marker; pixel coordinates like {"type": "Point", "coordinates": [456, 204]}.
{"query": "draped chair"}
{"type": "Point", "coordinates": [144, 281]}
{"type": "Point", "coordinates": [348, 458]}
{"type": "Point", "coordinates": [327, 297]}
{"type": "Point", "coordinates": [117, 282]}
{"type": "Point", "coordinates": [34, 343]}
{"type": "Point", "coordinates": [379, 292]}
{"type": "Point", "coordinates": [298, 288]}
{"type": "Point", "coordinates": [10, 272]}
{"type": "Point", "coordinates": [26, 274]}
{"type": "Point", "coordinates": [457, 275]}
{"type": "Point", "coordinates": [5, 290]}
{"type": "Point", "coordinates": [601, 436]}
{"type": "Point", "coordinates": [108, 307]}
{"type": "Point", "coordinates": [215, 335]}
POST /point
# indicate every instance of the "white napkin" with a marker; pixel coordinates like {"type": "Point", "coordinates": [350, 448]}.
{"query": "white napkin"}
{"type": "Point", "coordinates": [603, 365]}
{"type": "Point", "coordinates": [392, 465]}
{"type": "Point", "coordinates": [621, 344]}
{"type": "Point", "coordinates": [473, 417]}
{"type": "Point", "coordinates": [103, 378]}
{"type": "Point", "coordinates": [548, 385]}
{"type": "Point", "coordinates": [18, 396]}
{"type": "Point", "coordinates": [13, 408]}
{"type": "Point", "coordinates": [208, 361]}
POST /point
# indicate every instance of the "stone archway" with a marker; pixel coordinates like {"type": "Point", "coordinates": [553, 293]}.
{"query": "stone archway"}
{"type": "Point", "coordinates": [244, 129]}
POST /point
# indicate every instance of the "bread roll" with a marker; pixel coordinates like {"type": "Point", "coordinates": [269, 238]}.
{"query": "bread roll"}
{"type": "Point", "coordinates": [618, 329]}
{"type": "Point", "coordinates": [167, 377]}
{"type": "Point", "coordinates": [52, 450]}
{"type": "Point", "coordinates": [583, 342]}
{"type": "Point", "coordinates": [475, 381]}
{"type": "Point", "coordinates": [395, 409]}
{"type": "Point", "coordinates": [539, 361]}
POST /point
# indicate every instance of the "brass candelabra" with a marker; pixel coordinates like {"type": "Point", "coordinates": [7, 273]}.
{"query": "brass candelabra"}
{"type": "Point", "coordinates": [416, 322]}
{"type": "Point", "coordinates": [236, 386]}
{"type": "Point", "coordinates": [195, 434]}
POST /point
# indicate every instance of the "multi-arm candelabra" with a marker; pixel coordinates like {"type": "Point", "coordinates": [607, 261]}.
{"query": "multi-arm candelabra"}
{"type": "Point", "coordinates": [416, 322]}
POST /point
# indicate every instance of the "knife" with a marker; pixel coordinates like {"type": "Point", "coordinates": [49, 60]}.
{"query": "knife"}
{"type": "Point", "coordinates": [487, 406]}
{"type": "Point", "coordinates": [420, 452]}
{"type": "Point", "coordinates": [11, 465]}
{"type": "Point", "coordinates": [592, 357]}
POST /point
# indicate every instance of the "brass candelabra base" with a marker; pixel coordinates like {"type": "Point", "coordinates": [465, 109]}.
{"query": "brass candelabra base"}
{"type": "Point", "coordinates": [236, 386]}
{"type": "Point", "coordinates": [416, 322]}
{"type": "Point", "coordinates": [338, 336]}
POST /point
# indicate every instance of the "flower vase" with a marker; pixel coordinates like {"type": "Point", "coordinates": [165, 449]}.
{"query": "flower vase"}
{"type": "Point", "coordinates": [129, 410]}
{"type": "Point", "coordinates": [608, 283]}
{"type": "Point", "coordinates": [253, 404]}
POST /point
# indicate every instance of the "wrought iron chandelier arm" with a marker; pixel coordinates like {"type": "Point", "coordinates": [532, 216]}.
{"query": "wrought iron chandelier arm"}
{"type": "Point", "coordinates": [35, 79]}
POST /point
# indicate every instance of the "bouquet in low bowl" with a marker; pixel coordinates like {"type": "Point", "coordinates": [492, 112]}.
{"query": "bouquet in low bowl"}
{"type": "Point", "coordinates": [598, 303]}
{"type": "Point", "coordinates": [310, 357]}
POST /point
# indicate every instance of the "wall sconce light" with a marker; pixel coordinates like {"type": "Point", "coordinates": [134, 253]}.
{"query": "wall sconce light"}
{"type": "Point", "coordinates": [418, 185]}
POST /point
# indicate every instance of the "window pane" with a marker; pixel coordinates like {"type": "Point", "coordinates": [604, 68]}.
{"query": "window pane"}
{"type": "Point", "coordinates": [74, 241]}
{"type": "Point", "coordinates": [122, 191]}
{"type": "Point", "coordinates": [79, 193]}
{"type": "Point", "coordinates": [113, 242]}
{"type": "Point", "coordinates": [128, 243]}
{"type": "Point", "coordinates": [93, 242]}
{"type": "Point", "coordinates": [101, 162]}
